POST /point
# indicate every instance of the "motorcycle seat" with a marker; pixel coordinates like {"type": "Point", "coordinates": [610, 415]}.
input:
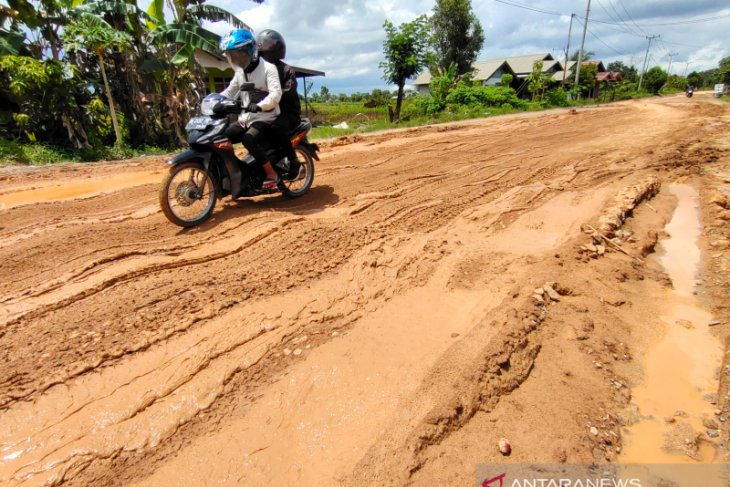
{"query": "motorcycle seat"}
{"type": "Point", "coordinates": [304, 125]}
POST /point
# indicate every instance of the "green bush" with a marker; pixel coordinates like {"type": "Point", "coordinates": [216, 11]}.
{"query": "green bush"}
{"type": "Point", "coordinates": [556, 98]}
{"type": "Point", "coordinates": [487, 96]}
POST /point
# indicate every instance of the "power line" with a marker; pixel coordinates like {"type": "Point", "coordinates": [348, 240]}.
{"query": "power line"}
{"type": "Point", "coordinates": [684, 45]}
{"type": "Point", "coordinates": [619, 21]}
{"type": "Point", "coordinates": [513, 4]}
{"type": "Point", "coordinates": [630, 17]}
{"type": "Point", "coordinates": [602, 42]}
{"type": "Point", "coordinates": [693, 21]}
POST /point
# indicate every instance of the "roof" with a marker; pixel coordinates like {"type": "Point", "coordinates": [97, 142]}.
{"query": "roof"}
{"type": "Point", "coordinates": [523, 64]}
{"type": "Point", "coordinates": [517, 65]}
{"type": "Point", "coordinates": [609, 76]}
{"type": "Point", "coordinates": [598, 64]}
{"type": "Point", "coordinates": [305, 72]}
{"type": "Point", "coordinates": [483, 70]}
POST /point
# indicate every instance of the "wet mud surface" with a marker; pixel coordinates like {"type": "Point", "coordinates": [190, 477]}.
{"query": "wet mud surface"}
{"type": "Point", "coordinates": [438, 289]}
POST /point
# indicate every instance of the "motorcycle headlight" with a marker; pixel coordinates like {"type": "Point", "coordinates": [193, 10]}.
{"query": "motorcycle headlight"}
{"type": "Point", "coordinates": [206, 106]}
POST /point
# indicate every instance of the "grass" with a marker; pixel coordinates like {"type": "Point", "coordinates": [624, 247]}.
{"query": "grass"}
{"type": "Point", "coordinates": [376, 119]}
{"type": "Point", "coordinates": [37, 154]}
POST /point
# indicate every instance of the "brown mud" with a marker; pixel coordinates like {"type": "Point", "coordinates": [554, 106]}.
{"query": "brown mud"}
{"type": "Point", "coordinates": [438, 289]}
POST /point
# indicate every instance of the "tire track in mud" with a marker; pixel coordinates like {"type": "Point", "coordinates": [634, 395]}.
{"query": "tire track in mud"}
{"type": "Point", "coordinates": [163, 305]}
{"type": "Point", "coordinates": [57, 447]}
{"type": "Point", "coordinates": [428, 219]}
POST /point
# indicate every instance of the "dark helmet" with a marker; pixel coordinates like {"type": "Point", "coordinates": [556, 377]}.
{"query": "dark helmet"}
{"type": "Point", "coordinates": [271, 45]}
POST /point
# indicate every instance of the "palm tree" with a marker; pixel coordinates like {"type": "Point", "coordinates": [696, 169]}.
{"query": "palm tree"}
{"type": "Point", "coordinates": [92, 34]}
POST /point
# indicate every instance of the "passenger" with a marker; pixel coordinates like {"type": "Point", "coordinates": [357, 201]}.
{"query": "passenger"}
{"type": "Point", "coordinates": [261, 106]}
{"type": "Point", "coordinates": [272, 48]}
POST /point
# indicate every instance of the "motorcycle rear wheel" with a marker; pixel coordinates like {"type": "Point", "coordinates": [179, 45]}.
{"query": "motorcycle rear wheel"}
{"type": "Point", "coordinates": [188, 194]}
{"type": "Point", "coordinates": [299, 186]}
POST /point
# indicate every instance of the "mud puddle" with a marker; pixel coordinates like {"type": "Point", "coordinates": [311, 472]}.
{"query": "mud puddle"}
{"type": "Point", "coordinates": [77, 189]}
{"type": "Point", "coordinates": [675, 399]}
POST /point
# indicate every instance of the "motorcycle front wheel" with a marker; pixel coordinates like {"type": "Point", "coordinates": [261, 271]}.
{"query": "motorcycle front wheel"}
{"type": "Point", "coordinates": [188, 194]}
{"type": "Point", "coordinates": [300, 185]}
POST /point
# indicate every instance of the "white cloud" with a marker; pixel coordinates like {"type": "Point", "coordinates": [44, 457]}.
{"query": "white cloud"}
{"type": "Point", "coordinates": [344, 38]}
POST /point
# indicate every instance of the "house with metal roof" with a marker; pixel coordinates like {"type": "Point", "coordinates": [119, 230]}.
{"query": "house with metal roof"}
{"type": "Point", "coordinates": [487, 73]}
{"type": "Point", "coordinates": [570, 72]}
{"type": "Point", "coordinates": [522, 65]}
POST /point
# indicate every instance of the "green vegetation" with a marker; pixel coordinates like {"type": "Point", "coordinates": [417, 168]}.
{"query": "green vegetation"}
{"type": "Point", "coordinates": [85, 80]}
{"type": "Point", "coordinates": [35, 153]}
{"type": "Point", "coordinates": [406, 54]}
{"type": "Point", "coordinates": [80, 75]}
{"type": "Point", "coordinates": [458, 35]}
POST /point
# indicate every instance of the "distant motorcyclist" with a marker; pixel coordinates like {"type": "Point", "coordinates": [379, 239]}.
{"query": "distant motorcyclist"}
{"type": "Point", "coordinates": [272, 47]}
{"type": "Point", "coordinates": [261, 106]}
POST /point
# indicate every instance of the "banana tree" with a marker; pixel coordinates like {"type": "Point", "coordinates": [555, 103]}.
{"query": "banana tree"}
{"type": "Point", "coordinates": [187, 31]}
{"type": "Point", "coordinates": [42, 20]}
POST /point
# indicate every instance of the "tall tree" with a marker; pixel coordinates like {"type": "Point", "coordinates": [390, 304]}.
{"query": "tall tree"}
{"type": "Point", "coordinates": [628, 73]}
{"type": "Point", "coordinates": [655, 79]}
{"type": "Point", "coordinates": [457, 34]}
{"type": "Point", "coordinates": [94, 35]}
{"type": "Point", "coordinates": [406, 54]}
{"type": "Point", "coordinates": [723, 72]}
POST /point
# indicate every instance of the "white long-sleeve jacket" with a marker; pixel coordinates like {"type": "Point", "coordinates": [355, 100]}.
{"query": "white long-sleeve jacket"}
{"type": "Point", "coordinates": [266, 95]}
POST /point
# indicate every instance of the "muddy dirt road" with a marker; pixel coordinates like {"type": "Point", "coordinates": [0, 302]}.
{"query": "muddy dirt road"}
{"type": "Point", "coordinates": [439, 288]}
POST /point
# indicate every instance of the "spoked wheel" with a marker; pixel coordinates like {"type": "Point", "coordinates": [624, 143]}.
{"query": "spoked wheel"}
{"type": "Point", "coordinates": [188, 195]}
{"type": "Point", "coordinates": [301, 184]}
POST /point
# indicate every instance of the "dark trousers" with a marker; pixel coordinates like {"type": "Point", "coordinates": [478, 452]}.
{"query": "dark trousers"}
{"type": "Point", "coordinates": [281, 128]}
{"type": "Point", "coordinates": [251, 138]}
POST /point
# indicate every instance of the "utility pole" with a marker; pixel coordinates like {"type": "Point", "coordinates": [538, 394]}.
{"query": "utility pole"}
{"type": "Point", "coordinates": [567, 49]}
{"type": "Point", "coordinates": [646, 58]}
{"type": "Point", "coordinates": [686, 68]}
{"type": "Point", "coordinates": [671, 55]}
{"type": "Point", "coordinates": [580, 52]}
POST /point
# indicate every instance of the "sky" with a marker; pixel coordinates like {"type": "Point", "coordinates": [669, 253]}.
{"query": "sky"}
{"type": "Point", "coordinates": [344, 38]}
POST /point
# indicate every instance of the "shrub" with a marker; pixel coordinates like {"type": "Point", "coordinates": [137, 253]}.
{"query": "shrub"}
{"type": "Point", "coordinates": [556, 98]}
{"type": "Point", "coordinates": [488, 96]}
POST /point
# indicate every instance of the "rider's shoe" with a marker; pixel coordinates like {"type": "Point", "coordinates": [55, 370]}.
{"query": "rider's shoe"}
{"type": "Point", "coordinates": [272, 179]}
{"type": "Point", "coordinates": [269, 184]}
{"type": "Point", "coordinates": [295, 168]}
{"type": "Point", "coordinates": [283, 165]}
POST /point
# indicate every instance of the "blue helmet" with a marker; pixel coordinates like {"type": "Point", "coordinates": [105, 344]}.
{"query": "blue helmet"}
{"type": "Point", "coordinates": [239, 39]}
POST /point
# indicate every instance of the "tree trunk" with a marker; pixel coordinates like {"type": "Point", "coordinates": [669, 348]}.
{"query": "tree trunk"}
{"type": "Point", "coordinates": [399, 100]}
{"type": "Point", "coordinates": [117, 132]}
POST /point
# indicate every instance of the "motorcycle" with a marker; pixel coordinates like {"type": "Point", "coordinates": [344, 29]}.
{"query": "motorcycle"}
{"type": "Point", "coordinates": [210, 170]}
{"type": "Point", "coordinates": [689, 93]}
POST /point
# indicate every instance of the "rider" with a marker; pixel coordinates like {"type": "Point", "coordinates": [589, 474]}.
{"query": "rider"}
{"type": "Point", "coordinates": [272, 48]}
{"type": "Point", "coordinates": [261, 106]}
